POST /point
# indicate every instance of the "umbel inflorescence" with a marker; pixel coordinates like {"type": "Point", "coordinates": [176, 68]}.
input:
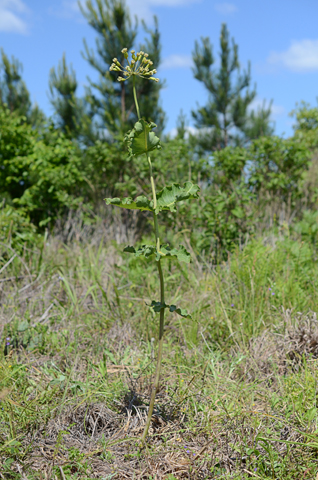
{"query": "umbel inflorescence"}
{"type": "Point", "coordinates": [139, 65]}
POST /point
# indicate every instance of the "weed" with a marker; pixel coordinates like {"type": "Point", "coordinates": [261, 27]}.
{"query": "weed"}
{"type": "Point", "coordinates": [141, 140]}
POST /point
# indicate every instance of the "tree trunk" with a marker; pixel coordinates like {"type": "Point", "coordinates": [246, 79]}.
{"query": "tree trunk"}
{"type": "Point", "coordinates": [225, 132]}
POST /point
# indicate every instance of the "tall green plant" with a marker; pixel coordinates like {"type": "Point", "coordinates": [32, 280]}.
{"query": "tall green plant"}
{"type": "Point", "coordinates": [141, 140]}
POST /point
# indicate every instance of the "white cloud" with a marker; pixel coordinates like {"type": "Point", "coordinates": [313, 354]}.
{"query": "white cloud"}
{"type": "Point", "coordinates": [225, 8]}
{"type": "Point", "coordinates": [176, 61]}
{"type": "Point", "coordinates": [68, 9]}
{"type": "Point", "coordinates": [144, 8]}
{"type": "Point", "coordinates": [10, 20]}
{"type": "Point", "coordinates": [301, 56]}
{"type": "Point", "coordinates": [71, 5]}
{"type": "Point", "coordinates": [277, 110]}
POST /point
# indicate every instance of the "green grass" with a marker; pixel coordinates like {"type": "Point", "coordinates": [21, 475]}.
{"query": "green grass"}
{"type": "Point", "coordinates": [238, 396]}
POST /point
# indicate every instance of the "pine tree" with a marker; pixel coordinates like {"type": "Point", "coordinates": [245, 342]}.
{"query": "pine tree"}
{"type": "Point", "coordinates": [113, 101]}
{"type": "Point", "coordinates": [257, 124]}
{"type": "Point", "coordinates": [63, 85]}
{"type": "Point", "coordinates": [14, 92]}
{"type": "Point", "coordinates": [181, 125]}
{"type": "Point", "coordinates": [70, 111]}
{"type": "Point", "coordinates": [226, 118]}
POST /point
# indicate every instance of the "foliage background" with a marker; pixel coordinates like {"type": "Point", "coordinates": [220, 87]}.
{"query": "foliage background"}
{"type": "Point", "coordinates": [77, 340]}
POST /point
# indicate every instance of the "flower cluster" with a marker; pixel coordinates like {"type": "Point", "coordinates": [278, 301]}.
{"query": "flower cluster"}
{"type": "Point", "coordinates": [139, 65]}
{"type": "Point", "coordinates": [189, 451]}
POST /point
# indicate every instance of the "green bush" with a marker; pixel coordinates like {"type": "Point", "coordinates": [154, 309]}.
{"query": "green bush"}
{"type": "Point", "coordinates": [16, 230]}
{"type": "Point", "coordinates": [53, 173]}
{"type": "Point", "coordinates": [17, 141]}
{"type": "Point", "coordinates": [277, 167]}
{"type": "Point", "coordinates": [226, 218]}
{"type": "Point", "coordinates": [40, 174]}
{"type": "Point", "coordinates": [306, 127]}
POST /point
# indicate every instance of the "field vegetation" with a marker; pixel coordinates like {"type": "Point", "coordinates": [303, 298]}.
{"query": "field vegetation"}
{"type": "Point", "coordinates": [237, 397]}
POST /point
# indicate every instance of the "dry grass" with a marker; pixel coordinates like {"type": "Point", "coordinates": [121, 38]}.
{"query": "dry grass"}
{"type": "Point", "coordinates": [76, 377]}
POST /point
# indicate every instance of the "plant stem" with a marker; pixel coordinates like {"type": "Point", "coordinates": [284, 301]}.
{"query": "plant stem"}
{"type": "Point", "coordinates": [154, 196]}
{"type": "Point", "coordinates": [159, 357]}
{"type": "Point", "coordinates": [162, 311]}
{"type": "Point", "coordinates": [135, 97]}
{"type": "Point", "coordinates": [162, 289]}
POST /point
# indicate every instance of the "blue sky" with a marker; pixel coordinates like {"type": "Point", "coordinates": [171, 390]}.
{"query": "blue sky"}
{"type": "Point", "coordinates": [278, 37]}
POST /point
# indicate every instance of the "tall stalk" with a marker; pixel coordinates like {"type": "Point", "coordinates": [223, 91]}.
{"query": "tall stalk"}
{"type": "Point", "coordinates": [162, 287]}
{"type": "Point", "coordinates": [141, 140]}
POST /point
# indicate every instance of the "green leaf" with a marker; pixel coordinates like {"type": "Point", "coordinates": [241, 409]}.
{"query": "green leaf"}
{"type": "Point", "coordinates": [165, 251]}
{"type": "Point", "coordinates": [23, 326]}
{"type": "Point", "coordinates": [169, 196]}
{"type": "Point", "coordinates": [140, 203]}
{"type": "Point", "coordinates": [180, 311]}
{"type": "Point", "coordinates": [166, 198]}
{"type": "Point", "coordinates": [144, 250]}
{"type": "Point", "coordinates": [311, 414]}
{"type": "Point", "coordinates": [238, 212]}
{"type": "Point", "coordinates": [158, 306]}
{"type": "Point", "coordinates": [181, 253]}
{"type": "Point", "coordinates": [141, 139]}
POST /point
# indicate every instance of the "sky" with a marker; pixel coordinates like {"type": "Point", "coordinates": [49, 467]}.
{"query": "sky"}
{"type": "Point", "coordinates": [278, 37]}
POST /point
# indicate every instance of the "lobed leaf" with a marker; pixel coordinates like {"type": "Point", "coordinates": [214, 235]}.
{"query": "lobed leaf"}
{"type": "Point", "coordinates": [169, 196]}
{"type": "Point", "coordinates": [158, 306]}
{"type": "Point", "coordinates": [140, 203]}
{"type": "Point", "coordinates": [144, 250]}
{"type": "Point", "coordinates": [180, 311]}
{"type": "Point", "coordinates": [165, 251]}
{"type": "Point", "coordinates": [141, 139]}
{"type": "Point", "coordinates": [166, 198]}
{"type": "Point", "coordinates": [181, 253]}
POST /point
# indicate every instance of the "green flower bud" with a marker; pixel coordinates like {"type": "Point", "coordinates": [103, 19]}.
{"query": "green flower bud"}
{"type": "Point", "coordinates": [134, 68]}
